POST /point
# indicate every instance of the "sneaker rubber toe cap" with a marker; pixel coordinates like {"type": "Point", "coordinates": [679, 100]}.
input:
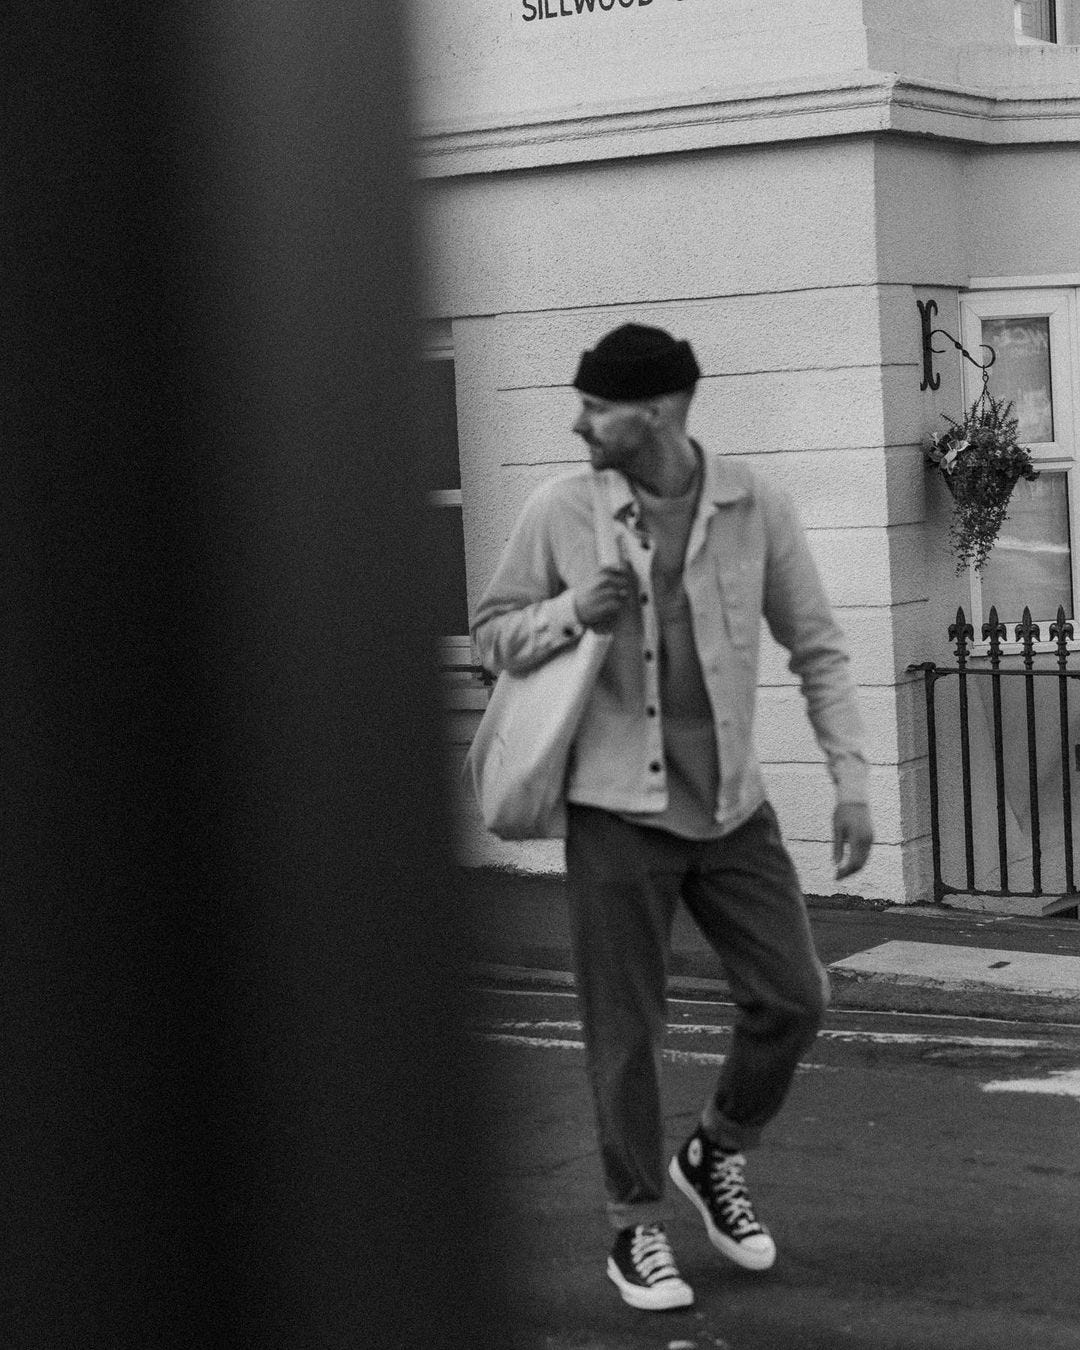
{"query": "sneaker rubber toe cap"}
{"type": "Point", "coordinates": [660, 1297]}
{"type": "Point", "coordinates": [754, 1253]}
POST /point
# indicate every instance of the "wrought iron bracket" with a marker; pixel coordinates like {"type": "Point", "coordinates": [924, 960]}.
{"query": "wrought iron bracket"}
{"type": "Point", "coordinates": [930, 380]}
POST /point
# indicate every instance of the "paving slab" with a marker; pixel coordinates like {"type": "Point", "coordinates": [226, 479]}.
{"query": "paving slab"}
{"type": "Point", "coordinates": [935, 976]}
{"type": "Point", "coordinates": [970, 967]}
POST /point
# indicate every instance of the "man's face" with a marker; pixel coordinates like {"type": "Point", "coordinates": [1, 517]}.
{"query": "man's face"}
{"type": "Point", "coordinates": [619, 435]}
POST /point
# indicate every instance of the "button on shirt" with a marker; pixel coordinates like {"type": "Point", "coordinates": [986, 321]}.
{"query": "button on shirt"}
{"type": "Point", "coordinates": [746, 558]}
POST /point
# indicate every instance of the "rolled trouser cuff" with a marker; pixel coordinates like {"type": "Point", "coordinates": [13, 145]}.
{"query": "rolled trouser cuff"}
{"type": "Point", "coordinates": [625, 1215]}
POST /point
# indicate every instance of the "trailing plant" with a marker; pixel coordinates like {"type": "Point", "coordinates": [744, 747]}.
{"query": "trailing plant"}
{"type": "Point", "coordinates": [981, 462]}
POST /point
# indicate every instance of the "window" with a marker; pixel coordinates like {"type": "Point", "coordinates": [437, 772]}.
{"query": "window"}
{"type": "Point", "coordinates": [1031, 563]}
{"type": "Point", "coordinates": [1021, 372]}
{"type": "Point", "coordinates": [1035, 20]}
{"type": "Point", "coordinates": [1033, 334]}
{"type": "Point", "coordinates": [441, 479]}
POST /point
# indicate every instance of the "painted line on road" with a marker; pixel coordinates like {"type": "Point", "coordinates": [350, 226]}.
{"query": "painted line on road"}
{"type": "Point", "coordinates": [670, 1056]}
{"type": "Point", "coordinates": [1060, 1083]}
{"type": "Point", "coordinates": [827, 1034]}
{"type": "Point", "coordinates": [533, 1042]}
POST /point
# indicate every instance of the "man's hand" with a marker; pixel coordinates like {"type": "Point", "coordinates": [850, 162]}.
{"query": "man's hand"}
{"type": "Point", "coordinates": [853, 830]}
{"type": "Point", "coordinates": [597, 604]}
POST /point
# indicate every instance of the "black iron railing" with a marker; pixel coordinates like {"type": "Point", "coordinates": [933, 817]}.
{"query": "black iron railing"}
{"type": "Point", "coordinates": [1062, 897]}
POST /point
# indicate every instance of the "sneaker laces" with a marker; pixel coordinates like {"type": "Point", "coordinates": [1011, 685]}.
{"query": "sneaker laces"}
{"type": "Point", "coordinates": [652, 1256]}
{"type": "Point", "coordinates": [727, 1186]}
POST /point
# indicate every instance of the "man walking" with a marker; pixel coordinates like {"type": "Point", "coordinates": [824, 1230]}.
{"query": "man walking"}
{"type": "Point", "coordinates": [664, 795]}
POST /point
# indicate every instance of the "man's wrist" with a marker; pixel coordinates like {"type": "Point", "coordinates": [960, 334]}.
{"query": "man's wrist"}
{"type": "Point", "coordinates": [567, 620]}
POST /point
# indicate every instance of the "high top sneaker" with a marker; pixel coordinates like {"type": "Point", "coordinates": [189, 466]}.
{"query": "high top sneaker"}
{"type": "Point", "coordinates": [713, 1181]}
{"type": "Point", "coordinates": [643, 1268]}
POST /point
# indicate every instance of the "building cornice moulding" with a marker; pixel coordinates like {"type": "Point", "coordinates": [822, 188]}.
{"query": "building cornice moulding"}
{"type": "Point", "coordinates": [854, 104]}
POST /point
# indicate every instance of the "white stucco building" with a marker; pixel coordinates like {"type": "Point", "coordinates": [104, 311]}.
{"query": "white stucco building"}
{"type": "Point", "coordinates": [780, 181]}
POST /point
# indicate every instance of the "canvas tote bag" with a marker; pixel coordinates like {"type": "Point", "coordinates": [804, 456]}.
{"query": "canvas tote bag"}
{"type": "Point", "coordinates": [518, 757]}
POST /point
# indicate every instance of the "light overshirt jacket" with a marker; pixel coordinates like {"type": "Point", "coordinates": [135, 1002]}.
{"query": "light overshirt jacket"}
{"type": "Point", "coordinates": [747, 557]}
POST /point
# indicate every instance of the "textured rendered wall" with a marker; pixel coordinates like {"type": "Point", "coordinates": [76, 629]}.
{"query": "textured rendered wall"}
{"type": "Point", "coordinates": [919, 186]}
{"type": "Point", "coordinates": [948, 213]}
{"type": "Point", "coordinates": [771, 256]}
{"type": "Point", "coordinates": [502, 63]}
{"type": "Point", "coordinates": [1021, 211]}
{"type": "Point", "coordinates": [485, 61]}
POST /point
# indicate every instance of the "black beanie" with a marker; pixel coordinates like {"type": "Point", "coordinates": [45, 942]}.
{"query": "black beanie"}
{"type": "Point", "coordinates": [634, 362]}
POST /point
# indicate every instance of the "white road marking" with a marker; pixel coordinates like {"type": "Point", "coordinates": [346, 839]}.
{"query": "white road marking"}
{"type": "Point", "coordinates": [530, 1034]}
{"type": "Point", "coordinates": [828, 1034]}
{"type": "Point", "coordinates": [534, 1042]}
{"type": "Point", "coordinates": [1060, 1083]}
{"type": "Point", "coordinates": [671, 1056]}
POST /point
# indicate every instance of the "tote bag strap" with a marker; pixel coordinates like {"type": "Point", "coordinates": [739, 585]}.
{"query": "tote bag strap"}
{"type": "Point", "coordinates": [607, 543]}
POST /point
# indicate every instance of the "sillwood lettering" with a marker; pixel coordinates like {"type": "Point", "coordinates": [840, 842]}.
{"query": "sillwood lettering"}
{"type": "Point", "coordinates": [569, 9]}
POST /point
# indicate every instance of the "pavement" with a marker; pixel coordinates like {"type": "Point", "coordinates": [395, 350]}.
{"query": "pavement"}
{"type": "Point", "coordinates": [911, 958]}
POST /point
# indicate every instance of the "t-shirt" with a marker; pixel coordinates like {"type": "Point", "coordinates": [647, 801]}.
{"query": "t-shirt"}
{"type": "Point", "coordinates": [690, 755]}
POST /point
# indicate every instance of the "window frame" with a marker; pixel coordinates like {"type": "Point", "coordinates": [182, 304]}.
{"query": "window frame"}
{"type": "Point", "coordinates": [439, 346]}
{"type": "Point", "coordinates": [1059, 305]}
{"type": "Point", "coordinates": [1026, 40]}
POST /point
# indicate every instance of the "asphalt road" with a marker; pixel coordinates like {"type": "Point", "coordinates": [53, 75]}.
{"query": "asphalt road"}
{"type": "Point", "coordinates": [922, 1184]}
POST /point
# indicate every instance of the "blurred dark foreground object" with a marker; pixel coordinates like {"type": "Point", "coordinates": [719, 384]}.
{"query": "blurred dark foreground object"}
{"type": "Point", "coordinates": [231, 1083]}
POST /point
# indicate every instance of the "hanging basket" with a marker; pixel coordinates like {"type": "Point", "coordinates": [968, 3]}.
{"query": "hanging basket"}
{"type": "Point", "coordinates": [981, 462]}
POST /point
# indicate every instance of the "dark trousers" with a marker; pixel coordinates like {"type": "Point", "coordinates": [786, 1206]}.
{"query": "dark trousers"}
{"type": "Point", "coordinates": [624, 882]}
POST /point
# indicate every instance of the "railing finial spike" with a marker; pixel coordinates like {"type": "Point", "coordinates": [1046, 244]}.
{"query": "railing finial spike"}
{"type": "Point", "coordinates": [1027, 633]}
{"type": "Point", "coordinates": [994, 629]}
{"type": "Point", "coordinates": [962, 632]}
{"type": "Point", "coordinates": [1061, 631]}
